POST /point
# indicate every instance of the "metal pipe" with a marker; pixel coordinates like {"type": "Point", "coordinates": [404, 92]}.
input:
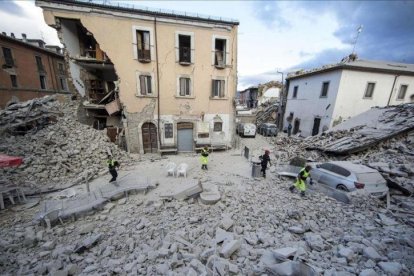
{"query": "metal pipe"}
{"type": "Point", "coordinates": [158, 81]}
{"type": "Point", "coordinates": [392, 89]}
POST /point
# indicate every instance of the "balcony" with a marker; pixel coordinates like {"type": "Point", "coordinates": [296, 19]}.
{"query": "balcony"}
{"type": "Point", "coordinates": [144, 56]}
{"type": "Point", "coordinates": [185, 55]}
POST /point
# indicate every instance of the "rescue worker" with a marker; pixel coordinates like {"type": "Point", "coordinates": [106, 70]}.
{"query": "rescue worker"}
{"type": "Point", "coordinates": [112, 164]}
{"type": "Point", "coordinates": [204, 158]}
{"type": "Point", "coordinates": [265, 159]}
{"type": "Point", "coordinates": [300, 180]}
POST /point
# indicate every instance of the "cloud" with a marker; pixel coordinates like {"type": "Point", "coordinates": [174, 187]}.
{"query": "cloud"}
{"type": "Point", "coordinates": [269, 13]}
{"type": "Point", "coordinates": [10, 7]}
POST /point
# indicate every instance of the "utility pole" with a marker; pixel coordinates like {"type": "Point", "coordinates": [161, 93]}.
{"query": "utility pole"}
{"type": "Point", "coordinates": [281, 97]}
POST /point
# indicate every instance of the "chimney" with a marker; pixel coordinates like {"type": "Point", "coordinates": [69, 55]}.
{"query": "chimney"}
{"type": "Point", "coordinates": [24, 37]}
{"type": "Point", "coordinates": [12, 35]}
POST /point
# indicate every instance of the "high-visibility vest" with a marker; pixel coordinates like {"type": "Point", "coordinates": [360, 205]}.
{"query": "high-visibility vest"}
{"type": "Point", "coordinates": [111, 163]}
{"type": "Point", "coordinates": [305, 173]}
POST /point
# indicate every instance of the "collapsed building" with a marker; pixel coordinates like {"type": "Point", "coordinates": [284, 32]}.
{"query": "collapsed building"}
{"type": "Point", "coordinates": [157, 81]}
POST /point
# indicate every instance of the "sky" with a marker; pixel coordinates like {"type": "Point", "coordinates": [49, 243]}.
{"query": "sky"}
{"type": "Point", "coordinates": [274, 36]}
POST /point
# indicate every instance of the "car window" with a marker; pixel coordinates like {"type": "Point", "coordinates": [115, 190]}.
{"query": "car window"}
{"type": "Point", "coordinates": [339, 170]}
{"type": "Point", "coordinates": [326, 166]}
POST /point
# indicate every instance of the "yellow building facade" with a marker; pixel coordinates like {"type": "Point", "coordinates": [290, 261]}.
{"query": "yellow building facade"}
{"type": "Point", "coordinates": [174, 76]}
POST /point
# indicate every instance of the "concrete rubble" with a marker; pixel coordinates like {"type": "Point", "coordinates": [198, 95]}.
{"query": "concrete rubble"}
{"type": "Point", "coordinates": [257, 227]}
{"type": "Point", "coordinates": [60, 153]}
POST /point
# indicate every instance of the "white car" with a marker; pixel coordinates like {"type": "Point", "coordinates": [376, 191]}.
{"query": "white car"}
{"type": "Point", "coordinates": [348, 177]}
{"type": "Point", "coordinates": [247, 130]}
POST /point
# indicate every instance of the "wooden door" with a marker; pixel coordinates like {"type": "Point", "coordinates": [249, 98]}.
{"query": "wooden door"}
{"type": "Point", "coordinates": [149, 138]}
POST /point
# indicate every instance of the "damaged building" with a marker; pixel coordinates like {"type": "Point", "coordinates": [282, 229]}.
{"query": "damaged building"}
{"type": "Point", "coordinates": [29, 69]}
{"type": "Point", "coordinates": [158, 82]}
{"type": "Point", "coordinates": [335, 93]}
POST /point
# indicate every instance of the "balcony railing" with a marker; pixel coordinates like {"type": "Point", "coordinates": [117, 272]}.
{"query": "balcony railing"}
{"type": "Point", "coordinates": [144, 55]}
{"type": "Point", "coordinates": [185, 55]}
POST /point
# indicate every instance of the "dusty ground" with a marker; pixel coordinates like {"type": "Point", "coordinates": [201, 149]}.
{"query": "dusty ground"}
{"type": "Point", "coordinates": [147, 235]}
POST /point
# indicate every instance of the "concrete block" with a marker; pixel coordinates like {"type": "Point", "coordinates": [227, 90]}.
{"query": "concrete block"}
{"type": "Point", "coordinates": [229, 248]}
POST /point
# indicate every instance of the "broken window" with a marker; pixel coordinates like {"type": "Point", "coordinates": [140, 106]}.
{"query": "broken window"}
{"type": "Point", "coordinates": [295, 91]}
{"type": "Point", "coordinates": [145, 85]}
{"type": "Point", "coordinates": [218, 126]}
{"type": "Point", "coordinates": [185, 87]}
{"type": "Point", "coordinates": [401, 93]}
{"type": "Point", "coordinates": [143, 45]}
{"type": "Point", "coordinates": [42, 82]}
{"type": "Point", "coordinates": [63, 85]}
{"type": "Point", "coordinates": [168, 130]}
{"type": "Point", "coordinates": [369, 91]}
{"type": "Point", "coordinates": [220, 53]}
{"type": "Point", "coordinates": [8, 57]}
{"type": "Point", "coordinates": [39, 64]}
{"type": "Point", "coordinates": [218, 89]}
{"type": "Point", "coordinates": [325, 87]}
{"type": "Point", "coordinates": [13, 79]}
{"type": "Point", "coordinates": [184, 44]}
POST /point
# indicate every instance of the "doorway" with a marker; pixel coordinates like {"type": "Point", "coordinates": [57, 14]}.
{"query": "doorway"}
{"type": "Point", "coordinates": [296, 126]}
{"type": "Point", "coordinates": [316, 125]}
{"type": "Point", "coordinates": [149, 138]}
{"type": "Point", "coordinates": [185, 137]}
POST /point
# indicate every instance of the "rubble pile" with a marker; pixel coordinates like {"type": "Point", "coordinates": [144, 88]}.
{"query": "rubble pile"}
{"type": "Point", "coordinates": [258, 227]}
{"type": "Point", "coordinates": [57, 155]}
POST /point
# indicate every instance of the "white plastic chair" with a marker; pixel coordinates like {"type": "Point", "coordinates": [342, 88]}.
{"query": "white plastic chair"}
{"type": "Point", "coordinates": [182, 170]}
{"type": "Point", "coordinates": [171, 169]}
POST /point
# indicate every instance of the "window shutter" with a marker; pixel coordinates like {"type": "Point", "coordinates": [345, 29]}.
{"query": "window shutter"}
{"type": "Point", "coordinates": [182, 87]}
{"type": "Point", "coordinates": [177, 47]}
{"type": "Point", "coordinates": [213, 88]}
{"type": "Point", "coordinates": [142, 85]}
{"type": "Point", "coordinates": [228, 60]}
{"type": "Point", "coordinates": [146, 40]}
{"type": "Point", "coordinates": [192, 49]}
{"type": "Point", "coordinates": [221, 89]}
{"type": "Point", "coordinates": [187, 91]}
{"type": "Point", "coordinates": [139, 40]}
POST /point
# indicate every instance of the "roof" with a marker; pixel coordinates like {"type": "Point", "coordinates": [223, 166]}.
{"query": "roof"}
{"type": "Point", "coordinates": [28, 45]}
{"type": "Point", "coordinates": [359, 65]}
{"type": "Point", "coordinates": [130, 8]}
{"type": "Point", "coordinates": [355, 168]}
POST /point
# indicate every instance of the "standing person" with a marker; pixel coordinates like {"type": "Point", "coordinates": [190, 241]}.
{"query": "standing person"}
{"type": "Point", "coordinates": [289, 129]}
{"type": "Point", "coordinates": [265, 159]}
{"type": "Point", "coordinates": [300, 180]}
{"type": "Point", "coordinates": [112, 164]}
{"type": "Point", "coordinates": [204, 158]}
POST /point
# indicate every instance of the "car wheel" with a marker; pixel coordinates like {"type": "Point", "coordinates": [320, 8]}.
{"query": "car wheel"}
{"type": "Point", "coordinates": [342, 188]}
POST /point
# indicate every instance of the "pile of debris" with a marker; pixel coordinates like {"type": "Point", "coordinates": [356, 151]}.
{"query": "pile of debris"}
{"type": "Point", "coordinates": [55, 155]}
{"type": "Point", "coordinates": [30, 116]}
{"type": "Point", "coordinates": [257, 228]}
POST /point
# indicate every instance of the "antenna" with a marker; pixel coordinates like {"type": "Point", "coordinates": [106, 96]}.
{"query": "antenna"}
{"type": "Point", "coordinates": [359, 30]}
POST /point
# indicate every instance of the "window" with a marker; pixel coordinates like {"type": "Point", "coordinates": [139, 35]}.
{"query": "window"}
{"type": "Point", "coordinates": [339, 170]}
{"type": "Point", "coordinates": [325, 166]}
{"type": "Point", "coordinates": [295, 91]}
{"type": "Point", "coordinates": [369, 91]}
{"type": "Point", "coordinates": [401, 93]}
{"type": "Point", "coordinates": [143, 45]}
{"type": "Point", "coordinates": [63, 85]}
{"type": "Point", "coordinates": [218, 89]}
{"type": "Point", "coordinates": [13, 79]}
{"type": "Point", "coordinates": [61, 68]}
{"type": "Point", "coordinates": [185, 87]}
{"type": "Point", "coordinates": [145, 85]}
{"type": "Point", "coordinates": [218, 126]}
{"type": "Point", "coordinates": [168, 130]}
{"type": "Point", "coordinates": [325, 88]}
{"type": "Point", "coordinates": [8, 58]}
{"type": "Point", "coordinates": [39, 63]}
{"type": "Point", "coordinates": [184, 44]}
{"type": "Point", "coordinates": [220, 53]}
{"type": "Point", "coordinates": [42, 82]}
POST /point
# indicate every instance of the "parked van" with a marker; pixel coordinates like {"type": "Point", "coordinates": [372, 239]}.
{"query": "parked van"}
{"type": "Point", "coordinates": [246, 130]}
